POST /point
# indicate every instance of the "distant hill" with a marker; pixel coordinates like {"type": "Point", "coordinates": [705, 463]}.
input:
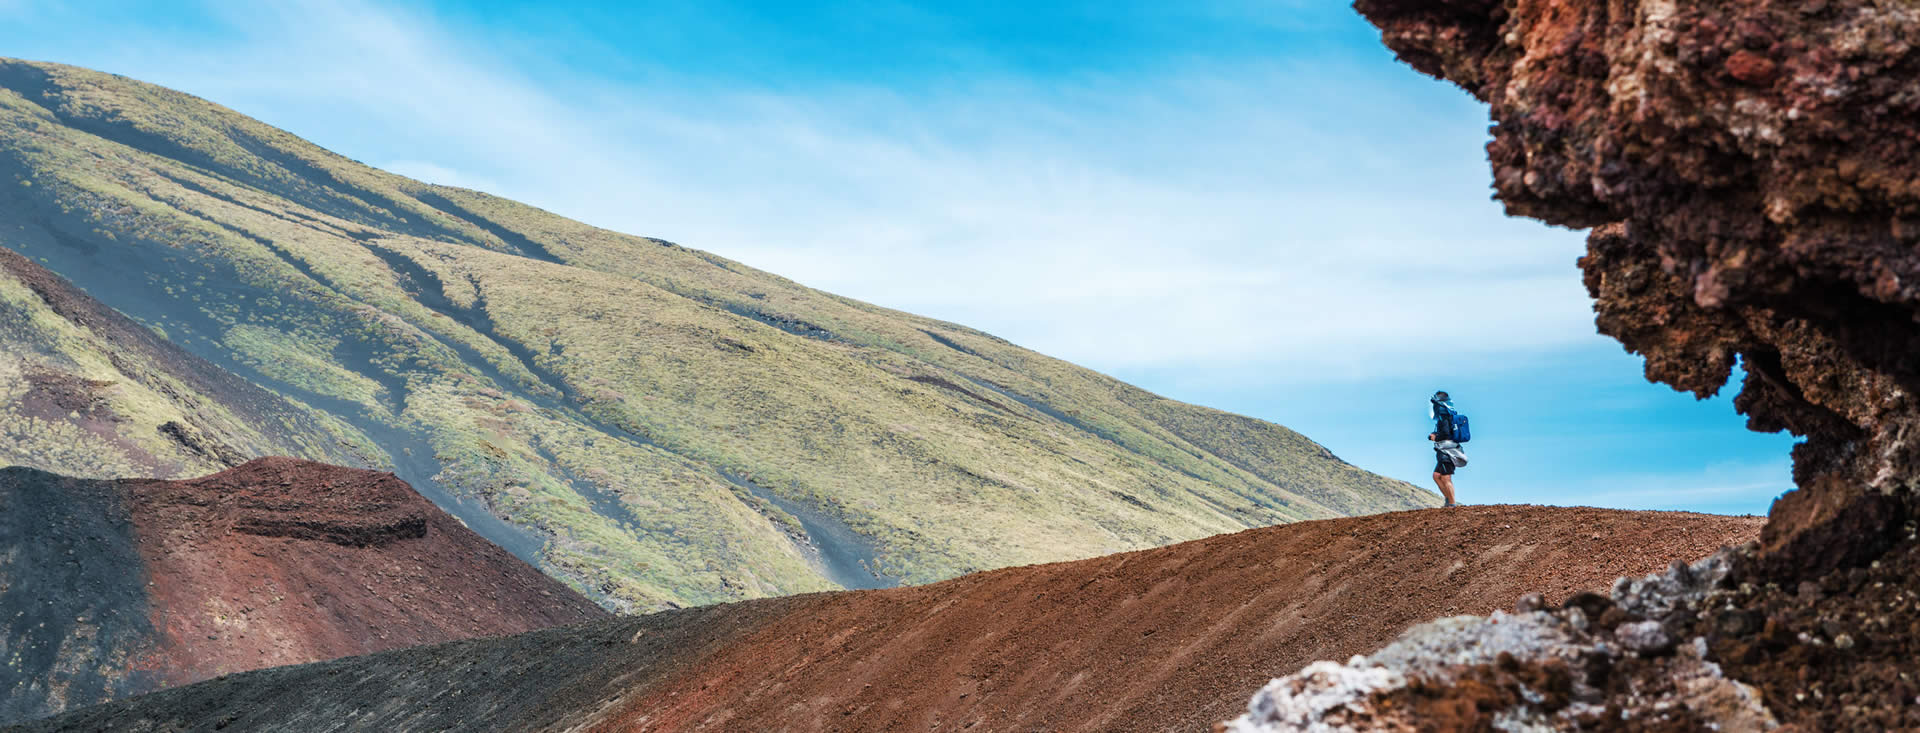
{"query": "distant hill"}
{"type": "Point", "coordinates": [656, 425]}
{"type": "Point", "coordinates": [116, 588]}
{"type": "Point", "coordinates": [1172, 638]}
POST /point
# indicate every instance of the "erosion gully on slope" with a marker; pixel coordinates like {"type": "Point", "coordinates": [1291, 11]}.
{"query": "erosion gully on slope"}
{"type": "Point", "coordinates": [839, 552]}
{"type": "Point", "coordinates": [411, 455]}
{"type": "Point", "coordinates": [835, 548]}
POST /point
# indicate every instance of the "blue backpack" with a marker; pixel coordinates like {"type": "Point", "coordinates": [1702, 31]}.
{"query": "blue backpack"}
{"type": "Point", "coordinates": [1462, 431]}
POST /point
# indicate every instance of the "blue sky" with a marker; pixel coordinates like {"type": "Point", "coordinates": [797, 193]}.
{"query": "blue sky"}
{"type": "Point", "coordinates": [1243, 204]}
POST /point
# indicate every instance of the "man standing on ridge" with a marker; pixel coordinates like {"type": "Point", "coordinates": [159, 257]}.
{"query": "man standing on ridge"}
{"type": "Point", "coordinates": [1446, 442]}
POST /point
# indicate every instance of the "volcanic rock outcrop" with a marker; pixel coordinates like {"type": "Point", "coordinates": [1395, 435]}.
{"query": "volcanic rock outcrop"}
{"type": "Point", "coordinates": [1751, 172]}
{"type": "Point", "coordinates": [1691, 649]}
{"type": "Point", "coordinates": [1171, 638]}
{"type": "Point", "coordinates": [116, 588]}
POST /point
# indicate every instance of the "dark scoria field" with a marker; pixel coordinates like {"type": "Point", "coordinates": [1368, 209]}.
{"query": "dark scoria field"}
{"type": "Point", "coordinates": [1838, 653]}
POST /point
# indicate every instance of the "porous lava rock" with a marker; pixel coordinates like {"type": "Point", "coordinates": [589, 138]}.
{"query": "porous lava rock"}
{"type": "Point", "coordinates": [1596, 663]}
{"type": "Point", "coordinates": [118, 588]}
{"type": "Point", "coordinates": [1832, 655]}
{"type": "Point", "coordinates": [1751, 173]}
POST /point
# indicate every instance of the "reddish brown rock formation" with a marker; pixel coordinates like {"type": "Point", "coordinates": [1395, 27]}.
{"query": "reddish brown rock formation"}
{"type": "Point", "coordinates": [282, 561]}
{"type": "Point", "coordinates": [1749, 170]}
{"type": "Point", "coordinates": [146, 584]}
{"type": "Point", "coordinates": [1753, 173]}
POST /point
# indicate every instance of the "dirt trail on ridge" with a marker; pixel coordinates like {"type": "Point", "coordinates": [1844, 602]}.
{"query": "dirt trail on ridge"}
{"type": "Point", "coordinates": [1170, 639]}
{"type": "Point", "coordinates": [1174, 638]}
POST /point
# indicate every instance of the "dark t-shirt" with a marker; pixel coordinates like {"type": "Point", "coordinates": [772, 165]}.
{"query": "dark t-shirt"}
{"type": "Point", "coordinates": [1442, 430]}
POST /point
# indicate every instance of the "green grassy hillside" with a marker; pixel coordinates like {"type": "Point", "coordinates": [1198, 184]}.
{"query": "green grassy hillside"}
{"type": "Point", "coordinates": [83, 387]}
{"type": "Point", "coordinates": [660, 426]}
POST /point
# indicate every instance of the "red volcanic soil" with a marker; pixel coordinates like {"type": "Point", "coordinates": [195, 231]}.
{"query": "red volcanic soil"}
{"type": "Point", "coordinates": [1173, 638]}
{"type": "Point", "coordinates": [282, 561]}
{"type": "Point", "coordinates": [117, 588]}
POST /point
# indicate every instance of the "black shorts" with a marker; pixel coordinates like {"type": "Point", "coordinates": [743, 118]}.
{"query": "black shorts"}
{"type": "Point", "coordinates": [1441, 465]}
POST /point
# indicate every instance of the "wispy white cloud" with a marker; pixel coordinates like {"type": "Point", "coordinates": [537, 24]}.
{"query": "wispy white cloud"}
{"type": "Point", "coordinates": [1728, 487]}
{"type": "Point", "coordinates": [1201, 218]}
{"type": "Point", "coordinates": [1301, 240]}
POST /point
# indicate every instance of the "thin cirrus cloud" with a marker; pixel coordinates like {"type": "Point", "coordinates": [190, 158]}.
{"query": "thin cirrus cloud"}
{"type": "Point", "coordinates": [1743, 487]}
{"type": "Point", "coordinates": [1261, 215]}
{"type": "Point", "coordinates": [1263, 212]}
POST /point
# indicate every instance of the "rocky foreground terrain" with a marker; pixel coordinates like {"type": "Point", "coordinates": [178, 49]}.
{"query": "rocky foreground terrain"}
{"type": "Point", "coordinates": [1169, 638]}
{"type": "Point", "coordinates": [1749, 171]}
{"type": "Point", "coordinates": [115, 588]}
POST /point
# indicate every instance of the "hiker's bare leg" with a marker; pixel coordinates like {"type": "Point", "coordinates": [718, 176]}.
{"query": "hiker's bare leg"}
{"type": "Point", "coordinates": [1445, 483]}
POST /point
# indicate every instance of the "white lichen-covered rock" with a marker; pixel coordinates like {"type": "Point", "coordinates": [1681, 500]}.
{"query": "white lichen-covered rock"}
{"type": "Point", "coordinates": [1733, 705]}
{"type": "Point", "coordinates": [1326, 696]}
{"type": "Point", "coordinates": [1660, 593]}
{"type": "Point", "coordinates": [1331, 697]}
{"type": "Point", "coordinates": [1433, 648]}
{"type": "Point", "coordinates": [1645, 637]}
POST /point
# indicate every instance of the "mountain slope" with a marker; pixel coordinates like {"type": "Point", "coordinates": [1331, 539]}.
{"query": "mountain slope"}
{"type": "Point", "coordinates": [117, 588]}
{"type": "Point", "coordinates": [83, 389]}
{"type": "Point", "coordinates": [662, 427]}
{"type": "Point", "coordinates": [1172, 638]}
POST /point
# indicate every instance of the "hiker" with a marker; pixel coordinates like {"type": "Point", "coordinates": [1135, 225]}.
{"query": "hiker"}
{"type": "Point", "coordinates": [1449, 431]}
